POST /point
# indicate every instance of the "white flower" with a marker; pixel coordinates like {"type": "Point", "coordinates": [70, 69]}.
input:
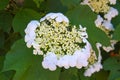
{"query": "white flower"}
{"type": "Point", "coordinates": [61, 49]}
{"type": "Point", "coordinates": [32, 26]}
{"type": "Point", "coordinates": [111, 47]}
{"type": "Point", "coordinates": [30, 36]}
{"type": "Point", "coordinates": [83, 33]}
{"type": "Point", "coordinates": [98, 45]}
{"type": "Point", "coordinates": [97, 65]}
{"type": "Point", "coordinates": [85, 2]}
{"type": "Point", "coordinates": [108, 49]}
{"type": "Point", "coordinates": [83, 55]}
{"type": "Point", "coordinates": [64, 62]}
{"type": "Point", "coordinates": [93, 68]}
{"type": "Point", "coordinates": [112, 2]}
{"type": "Point", "coordinates": [30, 32]}
{"type": "Point", "coordinates": [108, 25]}
{"type": "Point", "coordinates": [87, 48]}
{"type": "Point", "coordinates": [48, 16]}
{"type": "Point", "coordinates": [50, 61]}
{"type": "Point", "coordinates": [89, 71]}
{"type": "Point", "coordinates": [37, 51]}
{"type": "Point", "coordinates": [29, 44]}
{"type": "Point", "coordinates": [72, 60]}
{"type": "Point", "coordinates": [82, 58]}
{"type": "Point", "coordinates": [36, 47]}
{"type": "Point", "coordinates": [111, 14]}
{"type": "Point", "coordinates": [98, 21]}
{"type": "Point", "coordinates": [59, 17]}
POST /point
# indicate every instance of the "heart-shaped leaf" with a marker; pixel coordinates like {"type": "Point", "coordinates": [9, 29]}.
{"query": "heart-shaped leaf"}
{"type": "Point", "coordinates": [27, 65]}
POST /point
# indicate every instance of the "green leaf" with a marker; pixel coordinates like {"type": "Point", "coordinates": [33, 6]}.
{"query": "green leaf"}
{"type": "Point", "coordinates": [116, 34]}
{"type": "Point", "coordinates": [2, 38]}
{"type": "Point", "coordinates": [116, 20]}
{"type": "Point", "coordinates": [38, 2]}
{"type": "Point", "coordinates": [2, 58]}
{"type": "Point", "coordinates": [54, 6]}
{"type": "Point", "coordinates": [69, 74]}
{"type": "Point", "coordinates": [5, 21]}
{"type": "Point", "coordinates": [101, 75]}
{"type": "Point", "coordinates": [118, 79]}
{"type": "Point", "coordinates": [8, 75]}
{"type": "Point", "coordinates": [22, 18]}
{"type": "Point", "coordinates": [30, 4]}
{"type": "Point", "coordinates": [82, 15]}
{"type": "Point", "coordinates": [3, 4]}
{"type": "Point", "coordinates": [27, 65]}
{"type": "Point", "coordinates": [113, 65]}
{"type": "Point", "coordinates": [70, 3]}
{"type": "Point", "coordinates": [114, 75]}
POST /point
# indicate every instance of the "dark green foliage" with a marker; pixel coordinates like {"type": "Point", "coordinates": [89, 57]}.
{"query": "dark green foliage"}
{"type": "Point", "coordinates": [17, 62]}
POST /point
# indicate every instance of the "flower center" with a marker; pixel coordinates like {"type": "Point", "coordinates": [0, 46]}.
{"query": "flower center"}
{"type": "Point", "coordinates": [58, 37]}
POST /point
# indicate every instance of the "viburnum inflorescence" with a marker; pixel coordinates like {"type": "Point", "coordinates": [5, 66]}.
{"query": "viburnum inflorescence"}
{"type": "Point", "coordinates": [99, 6]}
{"type": "Point", "coordinates": [60, 43]}
{"type": "Point", "coordinates": [103, 6]}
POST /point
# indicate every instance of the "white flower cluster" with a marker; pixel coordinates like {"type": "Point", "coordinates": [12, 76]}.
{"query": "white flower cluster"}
{"type": "Point", "coordinates": [101, 6]}
{"type": "Point", "coordinates": [105, 24]}
{"type": "Point", "coordinates": [59, 44]}
{"type": "Point", "coordinates": [100, 22]}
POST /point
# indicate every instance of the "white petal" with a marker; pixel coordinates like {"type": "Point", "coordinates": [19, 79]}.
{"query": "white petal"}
{"type": "Point", "coordinates": [29, 44]}
{"type": "Point", "coordinates": [42, 19]}
{"type": "Point", "coordinates": [35, 52]}
{"type": "Point", "coordinates": [108, 25]}
{"type": "Point", "coordinates": [89, 71]}
{"type": "Point", "coordinates": [72, 60]}
{"type": "Point", "coordinates": [97, 66]}
{"type": "Point", "coordinates": [59, 19]}
{"type": "Point", "coordinates": [64, 62]}
{"type": "Point", "coordinates": [65, 19]}
{"type": "Point", "coordinates": [49, 15]}
{"type": "Point", "coordinates": [32, 25]}
{"type": "Point", "coordinates": [35, 45]}
{"type": "Point", "coordinates": [112, 2]}
{"type": "Point", "coordinates": [45, 65]}
{"type": "Point", "coordinates": [50, 61]}
{"type": "Point", "coordinates": [79, 66]}
{"type": "Point", "coordinates": [111, 14]}
{"type": "Point", "coordinates": [52, 67]}
{"type": "Point", "coordinates": [85, 2]}
{"type": "Point", "coordinates": [111, 47]}
{"type": "Point", "coordinates": [27, 38]}
{"type": "Point", "coordinates": [108, 49]}
{"type": "Point", "coordinates": [53, 16]}
{"type": "Point", "coordinates": [98, 21]}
